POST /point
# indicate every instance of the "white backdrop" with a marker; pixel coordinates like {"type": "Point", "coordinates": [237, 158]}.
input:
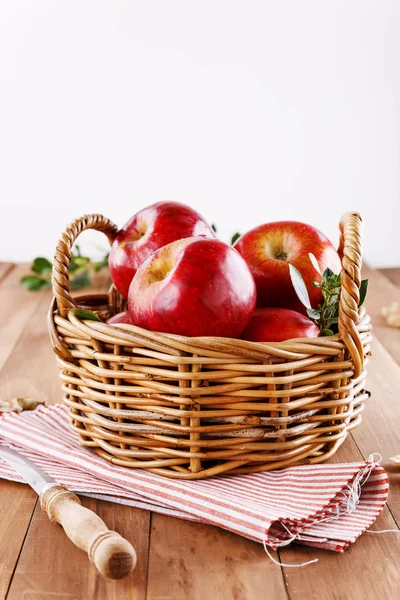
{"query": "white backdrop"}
{"type": "Point", "coordinates": [250, 111]}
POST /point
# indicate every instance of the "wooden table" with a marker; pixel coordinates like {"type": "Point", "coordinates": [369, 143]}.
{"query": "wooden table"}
{"type": "Point", "coordinates": [177, 559]}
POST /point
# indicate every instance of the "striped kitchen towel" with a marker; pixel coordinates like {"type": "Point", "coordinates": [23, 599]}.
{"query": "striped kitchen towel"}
{"type": "Point", "coordinates": [327, 506]}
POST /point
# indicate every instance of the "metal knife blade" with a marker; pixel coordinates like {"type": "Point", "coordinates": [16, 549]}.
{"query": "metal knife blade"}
{"type": "Point", "coordinates": [33, 475]}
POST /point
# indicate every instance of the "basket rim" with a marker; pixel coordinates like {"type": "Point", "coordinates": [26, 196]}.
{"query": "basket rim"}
{"type": "Point", "coordinates": [363, 323]}
{"type": "Point", "coordinates": [350, 253]}
{"type": "Point", "coordinates": [126, 326]}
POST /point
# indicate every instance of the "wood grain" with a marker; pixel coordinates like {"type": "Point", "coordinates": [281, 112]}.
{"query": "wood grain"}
{"type": "Point", "coordinates": [51, 566]}
{"type": "Point", "coordinates": [18, 306]}
{"type": "Point", "coordinates": [31, 368]}
{"type": "Point", "coordinates": [190, 560]}
{"type": "Point", "coordinates": [5, 267]}
{"type": "Point", "coordinates": [392, 274]}
{"type": "Point", "coordinates": [380, 430]}
{"type": "Point", "coordinates": [367, 570]}
{"type": "Point", "coordinates": [370, 564]}
{"type": "Point", "coordinates": [382, 292]}
{"type": "Point", "coordinates": [17, 502]}
{"type": "Point", "coordinates": [111, 554]}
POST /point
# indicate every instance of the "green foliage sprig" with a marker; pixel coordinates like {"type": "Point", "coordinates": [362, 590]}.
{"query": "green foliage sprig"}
{"type": "Point", "coordinates": [80, 269]}
{"type": "Point", "coordinates": [235, 236]}
{"type": "Point", "coordinates": [326, 314]}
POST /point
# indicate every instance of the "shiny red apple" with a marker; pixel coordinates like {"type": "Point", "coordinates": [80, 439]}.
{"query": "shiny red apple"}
{"type": "Point", "coordinates": [193, 287]}
{"type": "Point", "coordinates": [268, 249]}
{"type": "Point", "coordinates": [278, 325]}
{"type": "Point", "coordinates": [147, 231]}
{"type": "Point", "coordinates": [122, 317]}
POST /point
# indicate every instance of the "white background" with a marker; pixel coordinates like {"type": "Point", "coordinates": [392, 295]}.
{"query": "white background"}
{"type": "Point", "coordinates": [249, 111]}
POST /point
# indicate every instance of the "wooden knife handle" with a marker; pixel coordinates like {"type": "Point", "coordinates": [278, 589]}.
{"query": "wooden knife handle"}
{"type": "Point", "coordinates": [112, 555]}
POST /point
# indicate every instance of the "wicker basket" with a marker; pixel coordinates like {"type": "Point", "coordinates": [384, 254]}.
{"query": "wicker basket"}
{"type": "Point", "coordinates": [190, 408]}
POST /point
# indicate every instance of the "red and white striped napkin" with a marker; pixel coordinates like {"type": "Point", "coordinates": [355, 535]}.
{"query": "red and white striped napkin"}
{"type": "Point", "coordinates": [327, 506]}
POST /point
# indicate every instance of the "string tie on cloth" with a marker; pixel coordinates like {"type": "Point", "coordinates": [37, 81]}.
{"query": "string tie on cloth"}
{"type": "Point", "coordinates": [351, 499]}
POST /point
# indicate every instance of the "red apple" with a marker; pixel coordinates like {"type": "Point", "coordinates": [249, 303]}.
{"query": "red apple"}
{"type": "Point", "coordinates": [147, 231]}
{"type": "Point", "coordinates": [278, 325]}
{"type": "Point", "coordinates": [122, 317]}
{"type": "Point", "coordinates": [268, 249]}
{"type": "Point", "coordinates": [193, 287]}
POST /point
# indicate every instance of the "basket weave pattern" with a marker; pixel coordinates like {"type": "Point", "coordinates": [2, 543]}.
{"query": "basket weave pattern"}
{"type": "Point", "coordinates": [194, 407]}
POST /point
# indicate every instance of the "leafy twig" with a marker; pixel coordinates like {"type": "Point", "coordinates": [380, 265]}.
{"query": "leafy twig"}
{"type": "Point", "coordinates": [80, 269]}
{"type": "Point", "coordinates": [83, 313]}
{"type": "Point", "coordinates": [235, 237]}
{"type": "Point", "coordinates": [326, 314]}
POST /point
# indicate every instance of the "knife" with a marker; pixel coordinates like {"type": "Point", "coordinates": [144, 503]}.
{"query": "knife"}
{"type": "Point", "coordinates": [112, 555]}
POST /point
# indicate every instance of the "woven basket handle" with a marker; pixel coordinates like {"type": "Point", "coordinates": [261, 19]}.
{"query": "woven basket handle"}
{"type": "Point", "coordinates": [350, 252]}
{"type": "Point", "coordinates": [62, 258]}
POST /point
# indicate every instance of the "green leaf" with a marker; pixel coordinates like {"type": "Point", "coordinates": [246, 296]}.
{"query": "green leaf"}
{"type": "Point", "coordinates": [80, 281]}
{"type": "Point", "coordinates": [85, 314]}
{"type": "Point", "coordinates": [334, 280]}
{"type": "Point", "coordinates": [76, 251]}
{"type": "Point", "coordinates": [235, 237]}
{"type": "Point", "coordinates": [314, 314]}
{"type": "Point", "coordinates": [363, 291]}
{"type": "Point", "coordinates": [330, 312]}
{"type": "Point", "coordinates": [214, 228]}
{"type": "Point", "coordinates": [72, 265]}
{"type": "Point", "coordinates": [102, 264]}
{"type": "Point", "coordinates": [77, 262]}
{"type": "Point", "coordinates": [34, 283]}
{"type": "Point", "coordinates": [41, 265]}
{"type": "Point", "coordinates": [327, 332]}
{"type": "Point", "coordinates": [333, 299]}
{"type": "Point", "coordinates": [299, 286]}
{"type": "Point", "coordinates": [327, 274]}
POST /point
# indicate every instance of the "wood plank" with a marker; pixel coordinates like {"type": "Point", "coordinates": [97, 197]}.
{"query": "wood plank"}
{"type": "Point", "coordinates": [382, 292]}
{"type": "Point", "coordinates": [238, 567]}
{"type": "Point", "coordinates": [190, 560]}
{"type": "Point", "coordinates": [18, 306]}
{"type": "Point", "coordinates": [16, 505]}
{"type": "Point", "coordinates": [51, 566]}
{"type": "Point", "coordinates": [393, 275]}
{"type": "Point", "coordinates": [16, 501]}
{"type": "Point", "coordinates": [372, 559]}
{"type": "Point", "coordinates": [368, 570]}
{"type": "Point", "coordinates": [357, 573]}
{"type": "Point", "coordinates": [5, 267]}
{"type": "Point", "coordinates": [10, 276]}
{"type": "Point", "coordinates": [379, 431]}
{"type": "Point", "coordinates": [31, 370]}
{"type": "Point", "coordinates": [362, 563]}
